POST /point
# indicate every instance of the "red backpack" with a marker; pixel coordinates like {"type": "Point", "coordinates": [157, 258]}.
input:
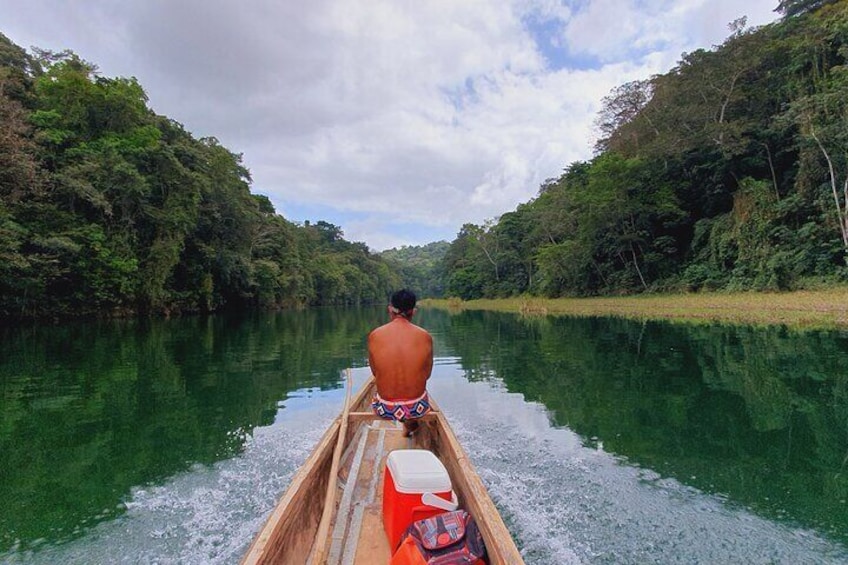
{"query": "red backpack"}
{"type": "Point", "coordinates": [451, 538]}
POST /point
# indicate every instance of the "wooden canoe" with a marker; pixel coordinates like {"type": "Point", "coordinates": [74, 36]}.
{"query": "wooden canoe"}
{"type": "Point", "coordinates": [344, 476]}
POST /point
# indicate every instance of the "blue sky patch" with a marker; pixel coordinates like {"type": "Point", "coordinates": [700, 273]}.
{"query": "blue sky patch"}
{"type": "Point", "coordinates": [549, 36]}
{"type": "Point", "coordinates": [392, 233]}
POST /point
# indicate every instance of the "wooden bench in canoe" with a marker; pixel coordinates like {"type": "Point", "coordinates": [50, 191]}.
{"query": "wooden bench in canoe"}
{"type": "Point", "coordinates": [332, 511]}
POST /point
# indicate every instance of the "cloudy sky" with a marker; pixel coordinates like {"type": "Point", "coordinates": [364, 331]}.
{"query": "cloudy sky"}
{"type": "Point", "coordinates": [397, 120]}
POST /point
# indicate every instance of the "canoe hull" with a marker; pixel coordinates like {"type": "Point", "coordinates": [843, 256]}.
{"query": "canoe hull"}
{"type": "Point", "coordinates": [289, 534]}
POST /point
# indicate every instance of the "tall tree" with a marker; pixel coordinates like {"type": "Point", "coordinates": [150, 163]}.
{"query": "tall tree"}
{"type": "Point", "coordinates": [822, 116]}
{"type": "Point", "coordinates": [624, 105]}
{"type": "Point", "coordinates": [790, 8]}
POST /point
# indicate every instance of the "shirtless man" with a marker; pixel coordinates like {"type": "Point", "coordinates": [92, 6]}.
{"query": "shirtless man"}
{"type": "Point", "coordinates": [401, 358]}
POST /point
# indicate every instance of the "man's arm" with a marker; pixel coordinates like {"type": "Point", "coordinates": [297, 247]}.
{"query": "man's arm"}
{"type": "Point", "coordinates": [429, 362]}
{"type": "Point", "coordinates": [371, 353]}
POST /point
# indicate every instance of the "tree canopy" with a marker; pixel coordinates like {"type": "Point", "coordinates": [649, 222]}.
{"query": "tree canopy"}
{"type": "Point", "coordinates": [109, 208]}
{"type": "Point", "coordinates": [420, 266]}
{"type": "Point", "coordinates": [730, 171]}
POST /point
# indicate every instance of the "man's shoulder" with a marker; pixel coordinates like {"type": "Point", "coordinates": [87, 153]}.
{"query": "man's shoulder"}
{"type": "Point", "coordinates": [422, 330]}
{"type": "Point", "coordinates": [378, 330]}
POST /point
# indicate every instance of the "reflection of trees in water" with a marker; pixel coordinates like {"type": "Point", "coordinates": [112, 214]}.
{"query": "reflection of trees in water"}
{"type": "Point", "coordinates": [90, 410]}
{"type": "Point", "coordinates": [759, 415]}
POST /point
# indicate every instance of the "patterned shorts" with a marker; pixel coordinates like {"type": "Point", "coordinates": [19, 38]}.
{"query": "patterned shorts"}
{"type": "Point", "coordinates": [401, 410]}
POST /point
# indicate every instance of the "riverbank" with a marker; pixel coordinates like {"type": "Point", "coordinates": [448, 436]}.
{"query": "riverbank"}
{"type": "Point", "coordinates": [808, 309]}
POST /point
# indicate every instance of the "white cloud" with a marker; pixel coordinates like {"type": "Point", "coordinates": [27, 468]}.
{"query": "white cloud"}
{"type": "Point", "coordinates": [435, 113]}
{"type": "Point", "coordinates": [613, 30]}
{"type": "Point", "coordinates": [608, 29]}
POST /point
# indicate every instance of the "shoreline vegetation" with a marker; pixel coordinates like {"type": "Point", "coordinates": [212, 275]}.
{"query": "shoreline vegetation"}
{"type": "Point", "coordinates": [803, 309]}
{"type": "Point", "coordinates": [725, 173]}
{"type": "Point", "coordinates": [108, 208]}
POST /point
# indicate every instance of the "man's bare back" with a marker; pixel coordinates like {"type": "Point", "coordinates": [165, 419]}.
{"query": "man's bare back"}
{"type": "Point", "coordinates": [400, 354]}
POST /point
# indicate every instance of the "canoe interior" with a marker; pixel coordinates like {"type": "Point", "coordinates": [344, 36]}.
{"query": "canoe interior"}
{"type": "Point", "coordinates": [356, 534]}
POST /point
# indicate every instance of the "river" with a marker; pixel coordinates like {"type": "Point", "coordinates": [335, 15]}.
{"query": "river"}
{"type": "Point", "coordinates": [600, 440]}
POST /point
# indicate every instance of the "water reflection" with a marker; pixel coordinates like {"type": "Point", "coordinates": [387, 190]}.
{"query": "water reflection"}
{"type": "Point", "coordinates": [90, 410]}
{"type": "Point", "coordinates": [91, 415]}
{"type": "Point", "coordinates": [759, 416]}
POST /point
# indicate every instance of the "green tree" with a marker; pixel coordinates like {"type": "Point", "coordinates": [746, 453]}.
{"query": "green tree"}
{"type": "Point", "coordinates": [791, 8]}
{"type": "Point", "coordinates": [464, 264]}
{"type": "Point", "coordinates": [822, 117]}
{"type": "Point", "coordinates": [421, 267]}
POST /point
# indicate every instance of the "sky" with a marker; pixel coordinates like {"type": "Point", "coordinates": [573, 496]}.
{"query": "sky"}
{"type": "Point", "coordinates": [396, 120]}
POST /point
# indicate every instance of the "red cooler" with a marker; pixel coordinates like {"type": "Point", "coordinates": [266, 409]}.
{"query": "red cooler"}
{"type": "Point", "coordinates": [415, 486]}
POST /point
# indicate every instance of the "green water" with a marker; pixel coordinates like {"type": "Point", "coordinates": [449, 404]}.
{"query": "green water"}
{"type": "Point", "coordinates": [143, 435]}
{"type": "Point", "coordinates": [759, 416]}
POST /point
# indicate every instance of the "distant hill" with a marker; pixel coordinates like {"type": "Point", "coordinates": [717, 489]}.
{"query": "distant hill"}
{"type": "Point", "coordinates": [420, 267]}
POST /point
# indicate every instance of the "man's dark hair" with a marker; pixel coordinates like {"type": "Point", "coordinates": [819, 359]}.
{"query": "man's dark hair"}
{"type": "Point", "coordinates": [404, 301]}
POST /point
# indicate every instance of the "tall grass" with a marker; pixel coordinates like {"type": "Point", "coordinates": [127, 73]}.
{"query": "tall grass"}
{"type": "Point", "coordinates": [814, 309]}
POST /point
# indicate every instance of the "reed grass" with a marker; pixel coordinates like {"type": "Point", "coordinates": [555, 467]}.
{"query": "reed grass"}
{"type": "Point", "coordinates": [807, 309]}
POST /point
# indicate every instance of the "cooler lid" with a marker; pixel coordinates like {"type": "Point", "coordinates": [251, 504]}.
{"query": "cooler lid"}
{"type": "Point", "coordinates": [417, 471]}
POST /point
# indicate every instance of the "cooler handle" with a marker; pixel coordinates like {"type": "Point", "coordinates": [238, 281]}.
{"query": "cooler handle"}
{"type": "Point", "coordinates": [431, 499]}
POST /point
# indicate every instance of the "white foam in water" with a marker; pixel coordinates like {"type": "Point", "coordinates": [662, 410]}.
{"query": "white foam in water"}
{"type": "Point", "coordinates": [566, 503]}
{"type": "Point", "coordinates": [208, 514]}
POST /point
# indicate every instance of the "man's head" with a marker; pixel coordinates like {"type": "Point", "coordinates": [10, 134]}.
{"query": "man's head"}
{"type": "Point", "coordinates": [403, 303]}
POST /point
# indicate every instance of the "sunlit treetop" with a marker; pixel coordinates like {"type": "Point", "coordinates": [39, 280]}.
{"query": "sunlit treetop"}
{"type": "Point", "coordinates": [791, 8]}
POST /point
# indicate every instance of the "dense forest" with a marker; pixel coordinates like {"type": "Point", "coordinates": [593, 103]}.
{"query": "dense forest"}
{"type": "Point", "coordinates": [420, 266]}
{"type": "Point", "coordinates": [108, 208]}
{"type": "Point", "coordinates": [728, 172]}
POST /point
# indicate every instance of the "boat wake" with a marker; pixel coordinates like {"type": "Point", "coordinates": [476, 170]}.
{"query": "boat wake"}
{"type": "Point", "coordinates": [564, 502]}
{"type": "Point", "coordinates": [208, 514]}
{"type": "Point", "coordinates": [568, 503]}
